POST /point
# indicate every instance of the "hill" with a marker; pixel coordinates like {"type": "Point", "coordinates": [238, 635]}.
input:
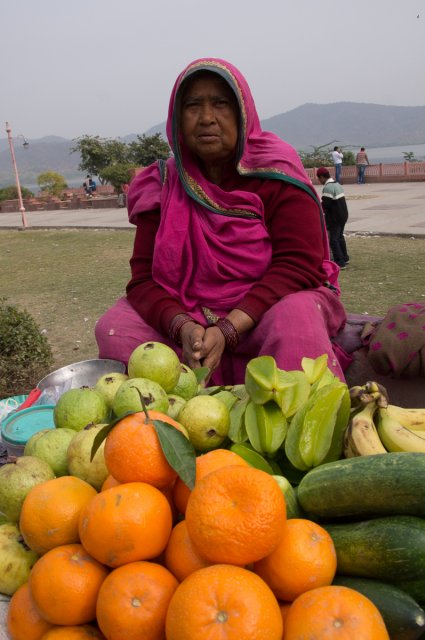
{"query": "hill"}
{"type": "Point", "coordinates": [346, 123]}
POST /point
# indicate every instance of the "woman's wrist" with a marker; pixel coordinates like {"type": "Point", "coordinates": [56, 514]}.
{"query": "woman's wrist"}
{"type": "Point", "coordinates": [176, 326]}
{"type": "Point", "coordinates": [228, 329]}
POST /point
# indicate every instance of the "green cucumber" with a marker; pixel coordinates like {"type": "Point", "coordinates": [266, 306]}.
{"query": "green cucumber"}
{"type": "Point", "coordinates": [388, 549]}
{"type": "Point", "coordinates": [403, 617]}
{"type": "Point", "coordinates": [415, 589]}
{"type": "Point", "coordinates": [387, 484]}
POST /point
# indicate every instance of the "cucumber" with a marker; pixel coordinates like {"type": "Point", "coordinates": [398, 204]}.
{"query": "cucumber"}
{"type": "Point", "coordinates": [415, 589]}
{"type": "Point", "coordinates": [388, 549]}
{"type": "Point", "coordinates": [387, 484]}
{"type": "Point", "coordinates": [403, 617]}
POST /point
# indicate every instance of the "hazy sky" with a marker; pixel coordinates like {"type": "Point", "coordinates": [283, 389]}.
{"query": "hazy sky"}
{"type": "Point", "coordinates": [106, 67]}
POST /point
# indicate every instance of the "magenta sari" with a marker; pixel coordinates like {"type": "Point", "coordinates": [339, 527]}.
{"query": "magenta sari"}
{"type": "Point", "coordinates": [212, 245]}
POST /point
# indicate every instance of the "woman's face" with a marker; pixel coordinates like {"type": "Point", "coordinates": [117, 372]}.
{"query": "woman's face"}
{"type": "Point", "coordinates": [209, 119]}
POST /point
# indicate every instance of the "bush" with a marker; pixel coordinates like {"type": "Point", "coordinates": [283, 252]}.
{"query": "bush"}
{"type": "Point", "coordinates": [11, 193]}
{"type": "Point", "coordinates": [25, 354]}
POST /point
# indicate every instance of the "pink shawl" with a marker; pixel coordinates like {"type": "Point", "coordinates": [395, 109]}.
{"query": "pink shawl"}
{"type": "Point", "coordinates": [212, 245]}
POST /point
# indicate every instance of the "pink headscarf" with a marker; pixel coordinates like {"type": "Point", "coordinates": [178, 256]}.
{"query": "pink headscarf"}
{"type": "Point", "coordinates": [212, 245]}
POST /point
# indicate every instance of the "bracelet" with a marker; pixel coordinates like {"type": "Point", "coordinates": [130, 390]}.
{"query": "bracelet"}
{"type": "Point", "coordinates": [176, 326]}
{"type": "Point", "coordinates": [228, 329]}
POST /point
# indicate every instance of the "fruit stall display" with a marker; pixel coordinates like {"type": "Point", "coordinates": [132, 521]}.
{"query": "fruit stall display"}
{"type": "Point", "coordinates": [154, 507]}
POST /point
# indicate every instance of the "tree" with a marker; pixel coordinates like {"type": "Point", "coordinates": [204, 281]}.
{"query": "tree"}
{"type": "Point", "coordinates": [321, 156]}
{"type": "Point", "coordinates": [52, 183]}
{"type": "Point", "coordinates": [147, 149]}
{"type": "Point", "coordinates": [101, 154]}
{"type": "Point", "coordinates": [117, 175]}
{"type": "Point", "coordinates": [409, 156]}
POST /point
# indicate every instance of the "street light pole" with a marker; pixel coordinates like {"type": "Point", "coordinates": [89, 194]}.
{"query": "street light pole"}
{"type": "Point", "coordinates": [18, 184]}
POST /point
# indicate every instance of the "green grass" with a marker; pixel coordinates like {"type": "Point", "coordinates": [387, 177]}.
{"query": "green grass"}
{"type": "Point", "coordinates": [66, 279]}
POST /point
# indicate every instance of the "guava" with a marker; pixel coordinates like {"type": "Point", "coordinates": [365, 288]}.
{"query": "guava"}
{"type": "Point", "coordinates": [108, 385]}
{"type": "Point", "coordinates": [94, 472]}
{"type": "Point", "coordinates": [127, 398]}
{"type": "Point", "coordinates": [52, 447]}
{"type": "Point", "coordinates": [17, 478]}
{"type": "Point", "coordinates": [155, 361]}
{"type": "Point", "coordinates": [207, 421]}
{"type": "Point", "coordinates": [175, 404]}
{"type": "Point", "coordinates": [187, 384]}
{"type": "Point", "coordinates": [16, 559]}
{"type": "Point", "coordinates": [77, 408]}
{"type": "Point", "coordinates": [31, 442]}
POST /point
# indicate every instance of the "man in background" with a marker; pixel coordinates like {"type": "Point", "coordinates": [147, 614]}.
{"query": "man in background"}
{"type": "Point", "coordinates": [336, 215]}
{"type": "Point", "coordinates": [337, 157]}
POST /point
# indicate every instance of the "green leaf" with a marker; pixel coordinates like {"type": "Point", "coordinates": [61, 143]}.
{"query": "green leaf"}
{"type": "Point", "coordinates": [178, 450]}
{"type": "Point", "coordinates": [101, 436]}
{"type": "Point", "coordinates": [201, 373]}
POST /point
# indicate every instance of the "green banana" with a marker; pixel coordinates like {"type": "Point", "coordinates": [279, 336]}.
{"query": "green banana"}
{"type": "Point", "coordinates": [411, 418]}
{"type": "Point", "coordinates": [395, 437]}
{"type": "Point", "coordinates": [266, 426]}
{"type": "Point", "coordinates": [253, 458]}
{"type": "Point", "coordinates": [361, 437]}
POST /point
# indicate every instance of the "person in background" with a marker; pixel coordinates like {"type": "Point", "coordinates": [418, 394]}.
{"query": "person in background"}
{"type": "Point", "coordinates": [362, 161]}
{"type": "Point", "coordinates": [337, 157]}
{"type": "Point", "coordinates": [336, 215]}
{"type": "Point", "coordinates": [231, 256]}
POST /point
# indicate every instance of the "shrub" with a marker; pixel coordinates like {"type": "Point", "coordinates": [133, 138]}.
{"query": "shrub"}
{"type": "Point", "coordinates": [25, 354]}
{"type": "Point", "coordinates": [11, 193]}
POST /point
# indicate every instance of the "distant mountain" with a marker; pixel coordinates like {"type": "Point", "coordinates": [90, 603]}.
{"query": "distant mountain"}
{"type": "Point", "coordinates": [349, 123]}
{"type": "Point", "coordinates": [346, 123]}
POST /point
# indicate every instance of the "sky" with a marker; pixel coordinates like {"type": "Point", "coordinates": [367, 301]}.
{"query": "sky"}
{"type": "Point", "coordinates": [107, 67]}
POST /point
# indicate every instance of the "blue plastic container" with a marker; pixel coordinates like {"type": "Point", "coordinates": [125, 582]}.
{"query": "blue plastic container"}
{"type": "Point", "coordinates": [19, 426]}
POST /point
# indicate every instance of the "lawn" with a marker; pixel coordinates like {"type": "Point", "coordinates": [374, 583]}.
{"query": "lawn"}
{"type": "Point", "coordinates": [67, 278]}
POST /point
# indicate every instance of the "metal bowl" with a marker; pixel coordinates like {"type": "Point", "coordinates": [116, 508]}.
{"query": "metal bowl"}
{"type": "Point", "coordinates": [80, 374]}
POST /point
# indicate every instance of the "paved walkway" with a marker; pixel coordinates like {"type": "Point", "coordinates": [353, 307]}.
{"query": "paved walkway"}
{"type": "Point", "coordinates": [384, 208]}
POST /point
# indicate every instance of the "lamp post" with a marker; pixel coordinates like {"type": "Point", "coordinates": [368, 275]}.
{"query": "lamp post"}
{"type": "Point", "coordinates": [15, 168]}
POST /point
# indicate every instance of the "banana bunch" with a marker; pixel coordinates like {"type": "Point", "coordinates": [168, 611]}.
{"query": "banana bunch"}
{"type": "Point", "coordinates": [376, 426]}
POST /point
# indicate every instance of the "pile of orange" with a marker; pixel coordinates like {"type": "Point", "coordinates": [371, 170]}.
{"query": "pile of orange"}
{"type": "Point", "coordinates": [148, 559]}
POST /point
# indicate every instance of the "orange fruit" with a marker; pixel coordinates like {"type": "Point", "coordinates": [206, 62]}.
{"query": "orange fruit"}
{"type": "Point", "coordinates": [133, 602]}
{"type": "Point", "coordinates": [133, 452]}
{"type": "Point", "coordinates": [235, 515]}
{"type": "Point", "coordinates": [23, 620]}
{"type": "Point", "coordinates": [206, 463]}
{"type": "Point", "coordinates": [51, 510]}
{"type": "Point", "coordinates": [304, 559]}
{"type": "Point", "coordinates": [64, 584]}
{"type": "Point", "coordinates": [83, 632]}
{"type": "Point", "coordinates": [226, 602]}
{"type": "Point", "coordinates": [334, 613]}
{"type": "Point", "coordinates": [180, 556]}
{"type": "Point", "coordinates": [109, 482]}
{"type": "Point", "coordinates": [126, 523]}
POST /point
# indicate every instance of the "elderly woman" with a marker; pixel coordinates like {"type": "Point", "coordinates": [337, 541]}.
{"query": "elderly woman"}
{"type": "Point", "coordinates": [231, 256]}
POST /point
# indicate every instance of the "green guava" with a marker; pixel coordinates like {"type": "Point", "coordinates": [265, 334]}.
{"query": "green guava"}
{"type": "Point", "coordinates": [31, 442]}
{"type": "Point", "coordinates": [207, 421]}
{"type": "Point", "coordinates": [16, 559]}
{"type": "Point", "coordinates": [52, 447]}
{"type": "Point", "coordinates": [175, 404]}
{"type": "Point", "coordinates": [127, 398]}
{"type": "Point", "coordinates": [17, 478]}
{"type": "Point", "coordinates": [93, 471]}
{"type": "Point", "coordinates": [108, 385]}
{"type": "Point", "coordinates": [155, 361]}
{"type": "Point", "coordinates": [77, 408]}
{"type": "Point", "coordinates": [187, 384]}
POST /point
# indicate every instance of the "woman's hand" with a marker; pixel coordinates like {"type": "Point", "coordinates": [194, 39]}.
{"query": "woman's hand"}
{"type": "Point", "coordinates": [192, 335]}
{"type": "Point", "coordinates": [212, 349]}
